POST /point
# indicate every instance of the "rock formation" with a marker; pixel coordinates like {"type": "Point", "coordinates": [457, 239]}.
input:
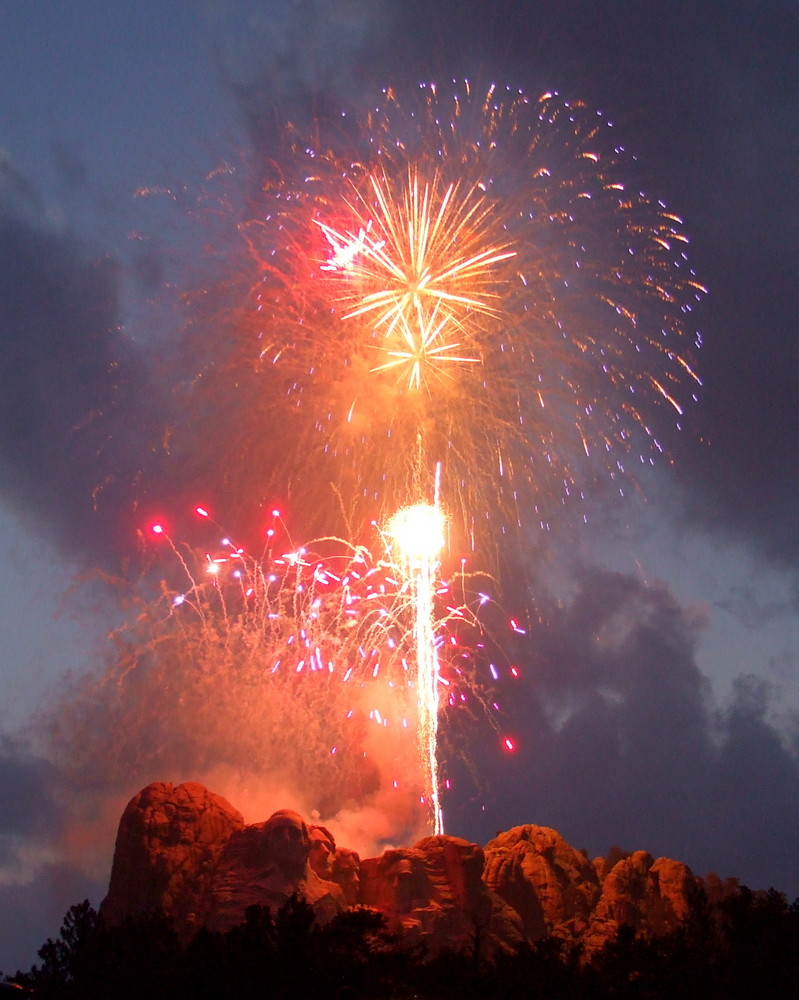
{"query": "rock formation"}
{"type": "Point", "coordinates": [166, 853]}
{"type": "Point", "coordinates": [653, 897]}
{"type": "Point", "coordinates": [266, 864]}
{"type": "Point", "coordinates": [552, 887]}
{"type": "Point", "coordinates": [347, 874]}
{"type": "Point", "coordinates": [434, 894]}
{"type": "Point", "coordinates": [187, 852]}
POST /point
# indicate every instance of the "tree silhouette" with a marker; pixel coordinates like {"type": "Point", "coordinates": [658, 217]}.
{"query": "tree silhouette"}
{"type": "Point", "coordinates": [65, 960]}
{"type": "Point", "coordinates": [737, 943]}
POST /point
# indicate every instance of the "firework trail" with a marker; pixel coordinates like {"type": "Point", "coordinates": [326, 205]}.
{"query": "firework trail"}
{"type": "Point", "coordinates": [463, 278]}
{"type": "Point", "coordinates": [418, 533]}
{"type": "Point", "coordinates": [462, 281]}
{"type": "Point", "coordinates": [296, 666]}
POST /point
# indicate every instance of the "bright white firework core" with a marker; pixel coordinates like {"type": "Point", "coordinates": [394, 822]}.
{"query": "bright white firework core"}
{"type": "Point", "coordinates": [418, 533]}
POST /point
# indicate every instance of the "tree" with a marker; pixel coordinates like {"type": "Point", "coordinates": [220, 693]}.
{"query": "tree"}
{"type": "Point", "coordinates": [64, 961]}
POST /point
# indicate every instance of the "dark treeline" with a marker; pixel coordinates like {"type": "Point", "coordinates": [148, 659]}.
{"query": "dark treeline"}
{"type": "Point", "coordinates": [747, 945]}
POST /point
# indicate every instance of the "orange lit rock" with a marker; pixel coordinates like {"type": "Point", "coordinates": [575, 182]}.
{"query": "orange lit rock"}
{"type": "Point", "coordinates": [553, 887]}
{"type": "Point", "coordinates": [652, 897]}
{"type": "Point", "coordinates": [265, 864]}
{"type": "Point", "coordinates": [185, 851]}
{"type": "Point", "coordinates": [168, 843]}
{"type": "Point", "coordinates": [434, 894]}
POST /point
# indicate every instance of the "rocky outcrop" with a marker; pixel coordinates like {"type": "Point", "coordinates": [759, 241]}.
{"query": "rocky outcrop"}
{"type": "Point", "coordinates": [346, 873]}
{"type": "Point", "coordinates": [552, 887]}
{"type": "Point", "coordinates": [167, 848]}
{"type": "Point", "coordinates": [434, 894]}
{"type": "Point", "coordinates": [247, 873]}
{"type": "Point", "coordinates": [187, 852]}
{"type": "Point", "coordinates": [652, 897]}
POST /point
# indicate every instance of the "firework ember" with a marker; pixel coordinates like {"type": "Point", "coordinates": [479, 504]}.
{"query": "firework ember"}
{"type": "Point", "coordinates": [467, 288]}
{"type": "Point", "coordinates": [470, 279]}
{"type": "Point", "coordinates": [420, 270]}
{"type": "Point", "coordinates": [306, 666]}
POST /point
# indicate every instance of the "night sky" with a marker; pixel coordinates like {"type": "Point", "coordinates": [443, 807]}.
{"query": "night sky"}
{"type": "Point", "coordinates": [659, 702]}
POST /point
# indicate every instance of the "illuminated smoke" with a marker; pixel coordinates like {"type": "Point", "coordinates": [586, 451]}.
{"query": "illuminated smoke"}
{"type": "Point", "coordinates": [468, 279]}
{"type": "Point", "coordinates": [460, 281]}
{"type": "Point", "coordinates": [301, 668]}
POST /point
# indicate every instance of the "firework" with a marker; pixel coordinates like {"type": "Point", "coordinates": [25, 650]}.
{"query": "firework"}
{"type": "Point", "coordinates": [418, 534]}
{"type": "Point", "coordinates": [460, 281]}
{"type": "Point", "coordinates": [297, 666]}
{"type": "Point", "coordinates": [470, 279]}
{"type": "Point", "coordinates": [418, 271]}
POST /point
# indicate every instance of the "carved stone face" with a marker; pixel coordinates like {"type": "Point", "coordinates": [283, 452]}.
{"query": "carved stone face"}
{"type": "Point", "coordinates": [346, 873]}
{"type": "Point", "coordinates": [175, 822]}
{"type": "Point", "coordinates": [323, 848]}
{"type": "Point", "coordinates": [184, 823]}
{"type": "Point", "coordinates": [401, 883]}
{"type": "Point", "coordinates": [287, 840]}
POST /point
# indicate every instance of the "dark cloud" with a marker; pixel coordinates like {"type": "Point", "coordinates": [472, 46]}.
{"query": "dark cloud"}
{"type": "Point", "coordinates": [756, 782]}
{"type": "Point", "coordinates": [78, 410]}
{"type": "Point", "coordinates": [304, 45]}
{"type": "Point", "coordinates": [42, 821]}
{"type": "Point", "coordinates": [299, 58]}
{"type": "Point", "coordinates": [706, 95]}
{"type": "Point", "coordinates": [32, 911]}
{"type": "Point", "coordinates": [620, 744]}
{"type": "Point", "coordinates": [27, 791]}
{"type": "Point", "coordinates": [739, 472]}
{"type": "Point", "coordinates": [15, 188]}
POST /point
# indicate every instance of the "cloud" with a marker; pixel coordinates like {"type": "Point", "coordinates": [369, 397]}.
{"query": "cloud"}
{"type": "Point", "coordinates": [78, 434]}
{"type": "Point", "coordinates": [740, 475]}
{"type": "Point", "coordinates": [54, 849]}
{"type": "Point", "coordinates": [30, 808]}
{"type": "Point", "coordinates": [698, 102]}
{"type": "Point", "coordinates": [15, 188]}
{"type": "Point", "coordinates": [32, 888]}
{"type": "Point", "coordinates": [298, 56]}
{"type": "Point", "coordinates": [620, 744]}
{"type": "Point", "coordinates": [32, 911]}
{"type": "Point", "coordinates": [756, 782]}
{"type": "Point", "coordinates": [78, 410]}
